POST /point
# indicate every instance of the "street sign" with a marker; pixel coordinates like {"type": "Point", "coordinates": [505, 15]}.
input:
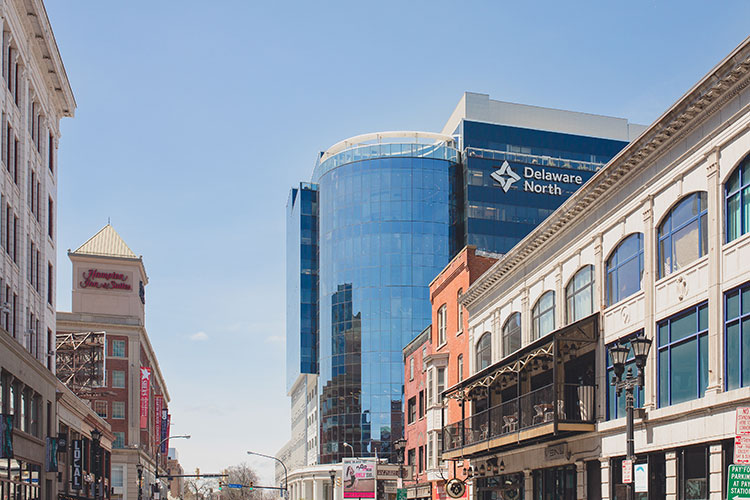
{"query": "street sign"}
{"type": "Point", "coordinates": [627, 471]}
{"type": "Point", "coordinates": [743, 421]}
{"type": "Point", "coordinates": [401, 494]}
{"type": "Point", "coordinates": [738, 482]}
{"type": "Point", "coordinates": [742, 450]}
{"type": "Point", "coordinates": [234, 485]}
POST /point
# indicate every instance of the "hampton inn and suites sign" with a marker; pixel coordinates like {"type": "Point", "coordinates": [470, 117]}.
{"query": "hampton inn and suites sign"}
{"type": "Point", "coordinates": [94, 278]}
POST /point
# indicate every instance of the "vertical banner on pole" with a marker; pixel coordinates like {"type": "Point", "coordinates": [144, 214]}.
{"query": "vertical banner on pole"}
{"type": "Point", "coordinates": [164, 431]}
{"type": "Point", "coordinates": [158, 403]}
{"type": "Point", "coordinates": [145, 388]}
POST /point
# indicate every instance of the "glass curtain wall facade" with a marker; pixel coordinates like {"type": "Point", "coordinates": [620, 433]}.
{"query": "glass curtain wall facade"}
{"type": "Point", "coordinates": [384, 235]}
{"type": "Point", "coordinates": [550, 166]}
{"type": "Point", "coordinates": [302, 282]}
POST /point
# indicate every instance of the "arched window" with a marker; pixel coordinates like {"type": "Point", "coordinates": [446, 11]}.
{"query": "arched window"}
{"type": "Point", "coordinates": [460, 367]}
{"type": "Point", "coordinates": [543, 315]}
{"type": "Point", "coordinates": [579, 295]}
{"type": "Point", "coordinates": [683, 236]}
{"type": "Point", "coordinates": [625, 268]}
{"type": "Point", "coordinates": [484, 354]}
{"type": "Point", "coordinates": [460, 314]}
{"type": "Point", "coordinates": [441, 321]}
{"type": "Point", "coordinates": [512, 334]}
{"type": "Point", "coordinates": [737, 192]}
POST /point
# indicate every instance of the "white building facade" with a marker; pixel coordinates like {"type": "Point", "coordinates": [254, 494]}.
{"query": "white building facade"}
{"type": "Point", "coordinates": [657, 244]}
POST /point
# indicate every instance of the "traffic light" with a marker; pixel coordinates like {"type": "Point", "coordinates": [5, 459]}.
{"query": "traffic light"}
{"type": "Point", "coordinates": [250, 485]}
{"type": "Point", "coordinates": [221, 485]}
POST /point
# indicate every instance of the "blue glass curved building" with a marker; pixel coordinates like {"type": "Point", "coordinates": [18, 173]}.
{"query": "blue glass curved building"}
{"type": "Point", "coordinates": [385, 219]}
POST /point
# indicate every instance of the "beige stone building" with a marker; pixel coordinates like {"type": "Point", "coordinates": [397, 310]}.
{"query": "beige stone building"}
{"type": "Point", "coordinates": [655, 245]}
{"type": "Point", "coordinates": [109, 283]}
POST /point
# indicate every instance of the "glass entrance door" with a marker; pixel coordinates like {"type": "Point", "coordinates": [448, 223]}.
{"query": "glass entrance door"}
{"type": "Point", "coordinates": [557, 483]}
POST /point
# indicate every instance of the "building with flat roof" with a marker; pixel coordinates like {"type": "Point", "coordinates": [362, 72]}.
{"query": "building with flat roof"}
{"type": "Point", "coordinates": [393, 208]}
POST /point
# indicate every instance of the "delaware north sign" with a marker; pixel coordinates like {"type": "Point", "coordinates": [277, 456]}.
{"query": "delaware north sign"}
{"type": "Point", "coordinates": [535, 179]}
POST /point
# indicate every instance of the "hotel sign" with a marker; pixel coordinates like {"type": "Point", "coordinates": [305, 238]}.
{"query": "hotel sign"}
{"type": "Point", "coordinates": [535, 179]}
{"type": "Point", "coordinates": [107, 280]}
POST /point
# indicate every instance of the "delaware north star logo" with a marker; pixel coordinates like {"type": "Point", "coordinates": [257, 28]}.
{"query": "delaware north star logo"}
{"type": "Point", "coordinates": [505, 176]}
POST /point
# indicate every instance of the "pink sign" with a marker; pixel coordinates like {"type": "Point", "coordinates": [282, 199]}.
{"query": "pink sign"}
{"type": "Point", "coordinates": [158, 404]}
{"type": "Point", "coordinates": [145, 386]}
{"type": "Point", "coordinates": [742, 450]}
{"type": "Point", "coordinates": [743, 421]}
{"type": "Point", "coordinates": [359, 479]}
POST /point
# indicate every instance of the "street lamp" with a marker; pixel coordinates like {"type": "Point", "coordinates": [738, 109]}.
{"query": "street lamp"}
{"type": "Point", "coordinates": [400, 445]}
{"type": "Point", "coordinates": [139, 467]}
{"type": "Point", "coordinates": [350, 446]}
{"type": "Point", "coordinates": [158, 450]}
{"type": "Point", "coordinates": [286, 475]}
{"type": "Point", "coordinates": [332, 473]}
{"type": "Point", "coordinates": [619, 354]}
{"type": "Point", "coordinates": [96, 438]}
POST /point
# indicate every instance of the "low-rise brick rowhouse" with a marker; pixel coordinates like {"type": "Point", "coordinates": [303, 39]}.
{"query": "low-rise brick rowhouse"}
{"type": "Point", "coordinates": [434, 361]}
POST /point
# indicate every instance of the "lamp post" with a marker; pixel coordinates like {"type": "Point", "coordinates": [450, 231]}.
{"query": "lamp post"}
{"type": "Point", "coordinates": [96, 438]}
{"type": "Point", "coordinates": [400, 446]}
{"type": "Point", "coordinates": [158, 449]}
{"type": "Point", "coordinates": [619, 353]}
{"type": "Point", "coordinates": [350, 447]}
{"type": "Point", "coordinates": [286, 474]}
{"type": "Point", "coordinates": [139, 467]}
{"type": "Point", "coordinates": [332, 473]}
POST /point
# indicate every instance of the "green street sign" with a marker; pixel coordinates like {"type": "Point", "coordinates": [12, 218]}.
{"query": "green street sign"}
{"type": "Point", "coordinates": [738, 483]}
{"type": "Point", "coordinates": [401, 494]}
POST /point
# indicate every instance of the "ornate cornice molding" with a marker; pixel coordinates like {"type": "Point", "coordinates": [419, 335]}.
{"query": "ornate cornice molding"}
{"type": "Point", "coordinates": [709, 95]}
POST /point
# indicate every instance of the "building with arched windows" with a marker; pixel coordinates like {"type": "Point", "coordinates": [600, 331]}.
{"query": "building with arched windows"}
{"type": "Point", "coordinates": [656, 244]}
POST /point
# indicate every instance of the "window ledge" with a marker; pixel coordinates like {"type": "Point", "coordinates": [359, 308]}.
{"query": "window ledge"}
{"type": "Point", "coordinates": [681, 271]}
{"type": "Point", "coordinates": [460, 332]}
{"type": "Point", "coordinates": [735, 242]}
{"type": "Point", "coordinates": [441, 345]}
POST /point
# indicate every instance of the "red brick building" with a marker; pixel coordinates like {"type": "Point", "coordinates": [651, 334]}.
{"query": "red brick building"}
{"type": "Point", "coordinates": [434, 361]}
{"type": "Point", "coordinates": [109, 296]}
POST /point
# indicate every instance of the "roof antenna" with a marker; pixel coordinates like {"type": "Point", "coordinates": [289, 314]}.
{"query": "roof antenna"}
{"type": "Point", "coordinates": [108, 221]}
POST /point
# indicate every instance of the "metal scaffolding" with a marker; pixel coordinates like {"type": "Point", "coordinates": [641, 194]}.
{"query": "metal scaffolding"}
{"type": "Point", "coordinates": [80, 361]}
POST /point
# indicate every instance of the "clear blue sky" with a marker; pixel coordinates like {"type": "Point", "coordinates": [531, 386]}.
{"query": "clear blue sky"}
{"type": "Point", "coordinates": [195, 118]}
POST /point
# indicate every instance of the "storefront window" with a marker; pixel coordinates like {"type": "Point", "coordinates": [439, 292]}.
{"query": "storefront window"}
{"type": "Point", "coordinates": [737, 331]}
{"type": "Point", "coordinates": [653, 488]}
{"type": "Point", "coordinates": [683, 236]}
{"type": "Point", "coordinates": [507, 486]}
{"type": "Point", "coordinates": [737, 191]}
{"type": "Point", "coordinates": [683, 356]}
{"type": "Point", "coordinates": [556, 483]}
{"type": "Point", "coordinates": [693, 478]}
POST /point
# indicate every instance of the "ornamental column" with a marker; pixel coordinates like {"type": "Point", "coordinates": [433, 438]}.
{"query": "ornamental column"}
{"type": "Point", "coordinates": [715, 302]}
{"type": "Point", "coordinates": [647, 284]}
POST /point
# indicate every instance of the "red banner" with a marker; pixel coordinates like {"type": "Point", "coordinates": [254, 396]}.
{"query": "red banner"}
{"type": "Point", "coordinates": [158, 403]}
{"type": "Point", "coordinates": [145, 387]}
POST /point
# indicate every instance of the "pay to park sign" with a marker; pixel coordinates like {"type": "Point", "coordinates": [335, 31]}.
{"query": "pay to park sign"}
{"type": "Point", "coordinates": [738, 484]}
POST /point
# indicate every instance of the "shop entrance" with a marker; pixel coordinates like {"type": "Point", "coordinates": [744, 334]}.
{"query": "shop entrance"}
{"type": "Point", "coordinates": [505, 487]}
{"type": "Point", "coordinates": [557, 483]}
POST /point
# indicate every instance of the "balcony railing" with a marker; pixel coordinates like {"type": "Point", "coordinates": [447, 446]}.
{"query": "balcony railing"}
{"type": "Point", "coordinates": [575, 404]}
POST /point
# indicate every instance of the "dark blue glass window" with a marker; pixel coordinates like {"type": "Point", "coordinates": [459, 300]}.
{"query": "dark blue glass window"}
{"type": "Point", "coordinates": [683, 356]}
{"type": "Point", "coordinates": [616, 405]}
{"type": "Point", "coordinates": [625, 269]}
{"type": "Point", "coordinates": [683, 236]}
{"type": "Point", "coordinates": [737, 191]}
{"type": "Point", "coordinates": [737, 337]}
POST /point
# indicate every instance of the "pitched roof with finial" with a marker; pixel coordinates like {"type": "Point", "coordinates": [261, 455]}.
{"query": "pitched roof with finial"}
{"type": "Point", "coordinates": [106, 243]}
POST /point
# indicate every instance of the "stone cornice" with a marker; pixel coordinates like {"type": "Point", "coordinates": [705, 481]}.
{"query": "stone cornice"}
{"type": "Point", "coordinates": [712, 92]}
